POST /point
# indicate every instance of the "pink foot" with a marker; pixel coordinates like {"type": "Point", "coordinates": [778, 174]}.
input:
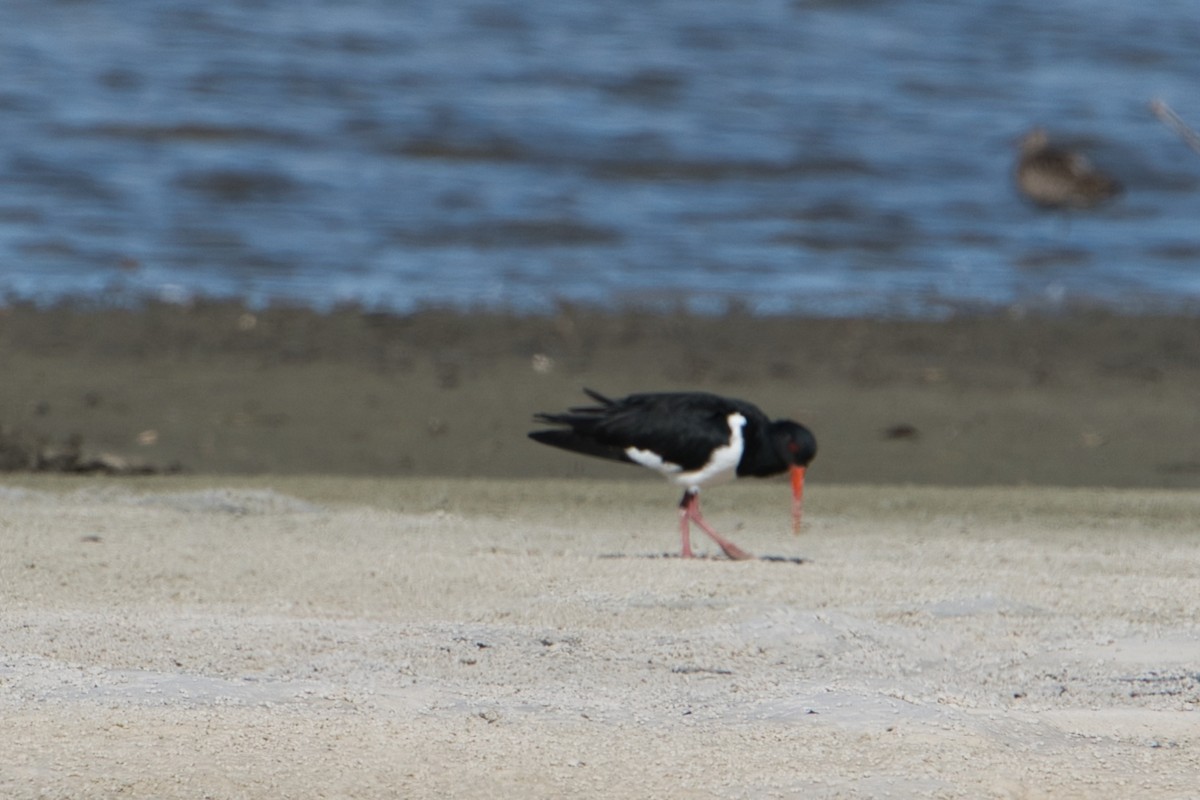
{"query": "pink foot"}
{"type": "Point", "coordinates": [689, 509]}
{"type": "Point", "coordinates": [734, 552]}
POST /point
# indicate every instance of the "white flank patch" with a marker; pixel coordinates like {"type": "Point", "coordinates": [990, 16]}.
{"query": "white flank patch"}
{"type": "Point", "coordinates": [721, 466]}
{"type": "Point", "coordinates": [648, 458]}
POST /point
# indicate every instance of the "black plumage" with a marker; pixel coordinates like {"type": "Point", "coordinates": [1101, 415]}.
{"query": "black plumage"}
{"type": "Point", "coordinates": [691, 438]}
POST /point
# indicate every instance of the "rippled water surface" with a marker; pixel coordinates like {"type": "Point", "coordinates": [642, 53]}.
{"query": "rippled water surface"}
{"type": "Point", "coordinates": [823, 156]}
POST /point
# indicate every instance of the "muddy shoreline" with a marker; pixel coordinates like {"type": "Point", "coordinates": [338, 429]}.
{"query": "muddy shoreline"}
{"type": "Point", "coordinates": [1081, 398]}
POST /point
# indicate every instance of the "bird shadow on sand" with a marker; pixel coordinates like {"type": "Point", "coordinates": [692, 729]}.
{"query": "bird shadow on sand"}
{"type": "Point", "coordinates": [774, 559]}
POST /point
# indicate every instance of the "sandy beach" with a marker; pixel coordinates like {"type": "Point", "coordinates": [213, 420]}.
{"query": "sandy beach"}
{"type": "Point", "coordinates": [354, 576]}
{"type": "Point", "coordinates": [354, 637]}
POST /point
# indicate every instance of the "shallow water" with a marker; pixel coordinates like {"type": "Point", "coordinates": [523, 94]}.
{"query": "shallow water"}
{"type": "Point", "coordinates": [817, 156]}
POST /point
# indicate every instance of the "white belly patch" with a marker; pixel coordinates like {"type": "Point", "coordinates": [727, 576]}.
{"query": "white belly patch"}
{"type": "Point", "coordinates": [721, 466]}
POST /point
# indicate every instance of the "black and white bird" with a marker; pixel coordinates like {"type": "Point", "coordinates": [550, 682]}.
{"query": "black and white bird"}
{"type": "Point", "coordinates": [693, 439]}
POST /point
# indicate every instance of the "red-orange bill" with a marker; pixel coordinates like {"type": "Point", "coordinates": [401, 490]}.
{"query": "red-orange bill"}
{"type": "Point", "coordinates": [797, 497]}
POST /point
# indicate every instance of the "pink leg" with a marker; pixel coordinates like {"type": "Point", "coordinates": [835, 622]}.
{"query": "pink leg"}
{"type": "Point", "coordinates": [689, 509]}
{"type": "Point", "coordinates": [684, 533]}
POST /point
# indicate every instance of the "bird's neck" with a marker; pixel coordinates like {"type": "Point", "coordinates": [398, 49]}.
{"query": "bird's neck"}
{"type": "Point", "coordinates": [759, 457]}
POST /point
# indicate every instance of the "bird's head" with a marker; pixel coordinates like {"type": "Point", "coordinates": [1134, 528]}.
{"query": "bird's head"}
{"type": "Point", "coordinates": [797, 447]}
{"type": "Point", "coordinates": [795, 443]}
{"type": "Point", "coordinates": [1033, 141]}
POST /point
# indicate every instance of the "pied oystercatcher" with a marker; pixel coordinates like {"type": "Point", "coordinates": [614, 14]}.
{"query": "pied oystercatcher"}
{"type": "Point", "coordinates": [693, 439]}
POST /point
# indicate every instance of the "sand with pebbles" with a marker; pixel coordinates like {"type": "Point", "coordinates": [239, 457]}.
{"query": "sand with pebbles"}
{"type": "Point", "coordinates": [335, 637]}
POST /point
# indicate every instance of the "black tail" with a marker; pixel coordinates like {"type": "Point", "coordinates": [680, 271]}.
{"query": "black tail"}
{"type": "Point", "coordinates": [568, 439]}
{"type": "Point", "coordinates": [578, 417]}
{"type": "Point", "coordinates": [599, 398]}
{"type": "Point", "coordinates": [576, 436]}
